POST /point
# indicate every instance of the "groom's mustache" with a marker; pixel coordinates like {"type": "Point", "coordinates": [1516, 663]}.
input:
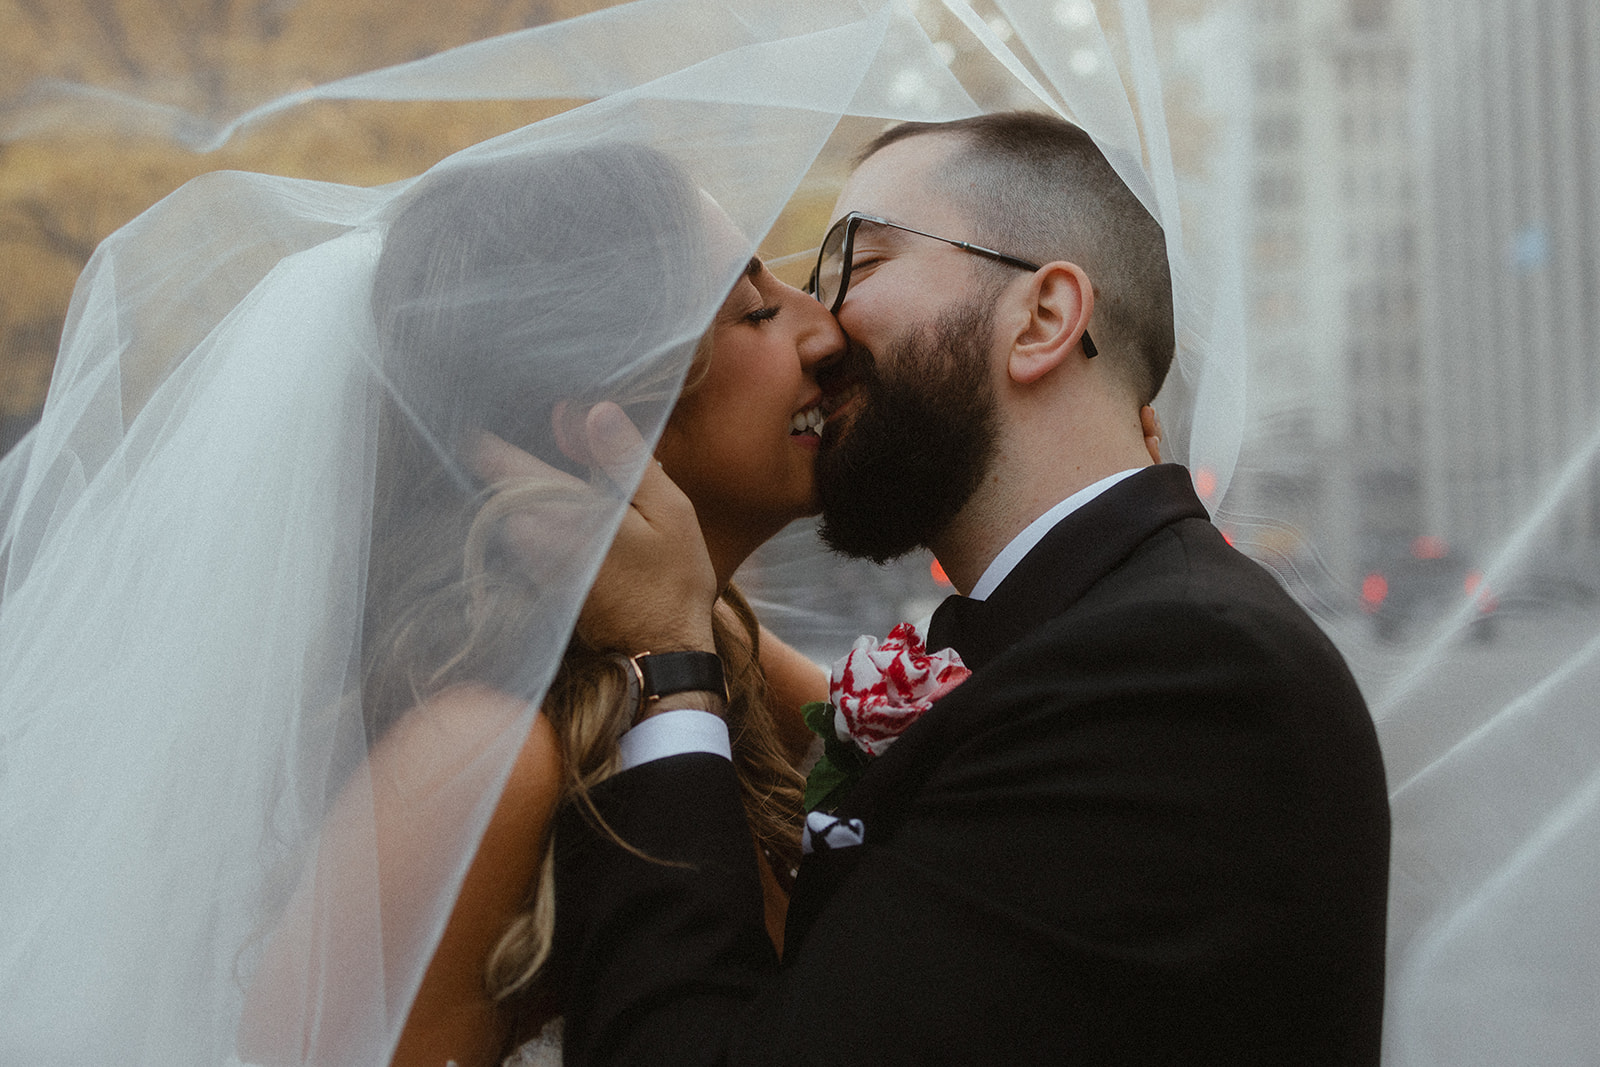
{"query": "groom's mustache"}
{"type": "Point", "coordinates": [855, 373]}
{"type": "Point", "coordinates": [855, 369]}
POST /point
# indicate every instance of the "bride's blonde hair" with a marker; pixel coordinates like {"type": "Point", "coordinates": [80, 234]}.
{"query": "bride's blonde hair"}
{"type": "Point", "coordinates": [587, 702]}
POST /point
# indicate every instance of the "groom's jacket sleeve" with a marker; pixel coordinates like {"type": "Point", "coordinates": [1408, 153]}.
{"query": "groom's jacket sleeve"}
{"type": "Point", "coordinates": [660, 942]}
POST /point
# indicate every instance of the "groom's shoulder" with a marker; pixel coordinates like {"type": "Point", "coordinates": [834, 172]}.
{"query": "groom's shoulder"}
{"type": "Point", "coordinates": [1159, 543]}
{"type": "Point", "coordinates": [1187, 598]}
{"type": "Point", "coordinates": [1189, 565]}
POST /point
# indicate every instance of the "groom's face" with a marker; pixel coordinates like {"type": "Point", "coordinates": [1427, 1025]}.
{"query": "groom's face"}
{"type": "Point", "coordinates": [901, 458]}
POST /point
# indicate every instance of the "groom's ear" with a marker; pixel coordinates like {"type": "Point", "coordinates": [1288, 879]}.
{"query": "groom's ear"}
{"type": "Point", "coordinates": [1059, 301]}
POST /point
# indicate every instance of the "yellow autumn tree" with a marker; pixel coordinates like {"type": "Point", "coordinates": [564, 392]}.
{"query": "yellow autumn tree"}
{"type": "Point", "coordinates": [66, 183]}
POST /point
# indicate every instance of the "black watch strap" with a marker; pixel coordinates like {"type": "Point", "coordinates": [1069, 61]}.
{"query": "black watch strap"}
{"type": "Point", "coordinates": [663, 673]}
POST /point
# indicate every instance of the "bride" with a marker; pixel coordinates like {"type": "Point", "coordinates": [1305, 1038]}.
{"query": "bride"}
{"type": "Point", "coordinates": [516, 303]}
{"type": "Point", "coordinates": [448, 606]}
{"type": "Point", "coordinates": [266, 653]}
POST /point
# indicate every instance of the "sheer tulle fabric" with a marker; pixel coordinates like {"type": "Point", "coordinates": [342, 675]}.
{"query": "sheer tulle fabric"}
{"type": "Point", "coordinates": [195, 815]}
{"type": "Point", "coordinates": [220, 841]}
{"type": "Point", "coordinates": [206, 840]}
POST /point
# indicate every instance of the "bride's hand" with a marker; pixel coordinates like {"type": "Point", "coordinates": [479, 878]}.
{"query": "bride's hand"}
{"type": "Point", "coordinates": [656, 588]}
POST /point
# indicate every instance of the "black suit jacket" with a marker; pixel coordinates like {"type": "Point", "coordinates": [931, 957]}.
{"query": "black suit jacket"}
{"type": "Point", "coordinates": [1151, 828]}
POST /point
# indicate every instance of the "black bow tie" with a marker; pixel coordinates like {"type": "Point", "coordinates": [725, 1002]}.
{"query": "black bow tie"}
{"type": "Point", "coordinates": [959, 623]}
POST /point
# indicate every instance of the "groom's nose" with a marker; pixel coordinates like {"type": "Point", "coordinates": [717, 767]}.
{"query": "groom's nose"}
{"type": "Point", "coordinates": [822, 342]}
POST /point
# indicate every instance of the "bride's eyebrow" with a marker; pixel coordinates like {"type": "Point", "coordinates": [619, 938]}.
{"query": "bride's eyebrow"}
{"type": "Point", "coordinates": [752, 271]}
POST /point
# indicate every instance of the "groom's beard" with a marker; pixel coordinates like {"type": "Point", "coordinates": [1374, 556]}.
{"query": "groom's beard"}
{"type": "Point", "coordinates": [918, 443]}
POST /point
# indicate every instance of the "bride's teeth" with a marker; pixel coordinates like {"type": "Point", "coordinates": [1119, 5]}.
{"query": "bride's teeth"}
{"type": "Point", "coordinates": [810, 419]}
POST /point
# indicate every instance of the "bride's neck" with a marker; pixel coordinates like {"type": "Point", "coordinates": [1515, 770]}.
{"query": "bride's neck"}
{"type": "Point", "coordinates": [725, 560]}
{"type": "Point", "coordinates": [729, 546]}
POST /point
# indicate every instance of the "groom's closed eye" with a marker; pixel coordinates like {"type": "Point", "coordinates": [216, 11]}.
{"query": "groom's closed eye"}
{"type": "Point", "coordinates": [865, 263]}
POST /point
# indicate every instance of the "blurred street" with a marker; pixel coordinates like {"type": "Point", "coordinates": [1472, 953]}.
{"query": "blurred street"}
{"type": "Point", "coordinates": [1427, 689]}
{"type": "Point", "coordinates": [1491, 757]}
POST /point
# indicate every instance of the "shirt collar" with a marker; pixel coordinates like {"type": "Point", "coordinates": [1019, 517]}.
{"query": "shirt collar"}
{"type": "Point", "coordinates": [1023, 543]}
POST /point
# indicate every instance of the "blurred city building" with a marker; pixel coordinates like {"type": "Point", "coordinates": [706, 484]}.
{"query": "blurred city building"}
{"type": "Point", "coordinates": [1509, 207]}
{"type": "Point", "coordinates": [1419, 248]}
{"type": "Point", "coordinates": [1323, 166]}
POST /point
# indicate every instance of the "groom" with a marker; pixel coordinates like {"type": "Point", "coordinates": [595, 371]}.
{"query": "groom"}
{"type": "Point", "coordinates": [1150, 828]}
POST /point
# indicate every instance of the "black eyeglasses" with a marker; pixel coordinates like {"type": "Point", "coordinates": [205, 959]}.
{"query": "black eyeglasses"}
{"type": "Point", "coordinates": [830, 279]}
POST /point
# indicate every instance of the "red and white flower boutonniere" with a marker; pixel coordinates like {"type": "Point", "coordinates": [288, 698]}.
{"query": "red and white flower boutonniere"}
{"type": "Point", "coordinates": [876, 692]}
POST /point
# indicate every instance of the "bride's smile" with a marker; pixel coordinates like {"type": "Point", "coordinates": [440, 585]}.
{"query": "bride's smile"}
{"type": "Point", "coordinates": [743, 439]}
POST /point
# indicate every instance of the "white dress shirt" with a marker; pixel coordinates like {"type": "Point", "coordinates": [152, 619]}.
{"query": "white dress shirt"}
{"type": "Point", "coordinates": [1003, 564]}
{"type": "Point", "coordinates": [673, 733]}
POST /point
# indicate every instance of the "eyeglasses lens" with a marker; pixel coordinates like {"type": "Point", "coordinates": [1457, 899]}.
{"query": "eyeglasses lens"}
{"type": "Point", "coordinates": [830, 265]}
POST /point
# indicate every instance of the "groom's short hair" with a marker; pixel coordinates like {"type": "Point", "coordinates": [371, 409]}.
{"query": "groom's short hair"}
{"type": "Point", "coordinates": [1038, 187]}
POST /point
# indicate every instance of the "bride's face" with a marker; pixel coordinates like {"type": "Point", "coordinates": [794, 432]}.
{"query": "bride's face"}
{"type": "Point", "coordinates": [742, 441]}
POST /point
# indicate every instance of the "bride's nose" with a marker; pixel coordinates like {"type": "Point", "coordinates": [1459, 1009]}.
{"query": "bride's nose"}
{"type": "Point", "coordinates": [820, 340]}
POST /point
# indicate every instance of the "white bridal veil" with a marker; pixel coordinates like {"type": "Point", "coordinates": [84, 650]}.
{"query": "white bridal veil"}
{"type": "Point", "coordinates": [252, 436]}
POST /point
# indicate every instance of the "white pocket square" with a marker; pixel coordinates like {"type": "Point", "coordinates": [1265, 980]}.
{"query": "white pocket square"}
{"type": "Point", "coordinates": [825, 833]}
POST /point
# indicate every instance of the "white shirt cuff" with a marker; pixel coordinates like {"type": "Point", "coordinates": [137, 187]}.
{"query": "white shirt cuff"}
{"type": "Point", "coordinates": [674, 733]}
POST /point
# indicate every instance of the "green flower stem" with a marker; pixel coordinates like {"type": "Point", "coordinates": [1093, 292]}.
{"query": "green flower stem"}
{"type": "Point", "coordinates": [840, 766]}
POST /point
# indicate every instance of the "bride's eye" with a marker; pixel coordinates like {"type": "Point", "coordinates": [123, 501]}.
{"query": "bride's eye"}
{"type": "Point", "coordinates": [763, 314]}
